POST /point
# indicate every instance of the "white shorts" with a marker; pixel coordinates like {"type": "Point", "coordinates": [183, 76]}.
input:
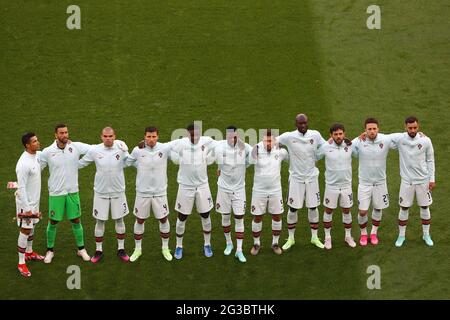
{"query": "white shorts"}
{"type": "Point", "coordinates": [26, 223]}
{"type": "Point", "coordinates": [377, 194]}
{"type": "Point", "coordinates": [300, 192]}
{"type": "Point", "coordinates": [119, 207]}
{"type": "Point", "coordinates": [227, 201]}
{"type": "Point", "coordinates": [144, 205]}
{"type": "Point", "coordinates": [186, 198]}
{"type": "Point", "coordinates": [333, 194]}
{"type": "Point", "coordinates": [273, 205]}
{"type": "Point", "coordinates": [422, 192]}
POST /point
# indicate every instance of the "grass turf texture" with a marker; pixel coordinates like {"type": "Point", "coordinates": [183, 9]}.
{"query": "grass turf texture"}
{"type": "Point", "coordinates": [252, 64]}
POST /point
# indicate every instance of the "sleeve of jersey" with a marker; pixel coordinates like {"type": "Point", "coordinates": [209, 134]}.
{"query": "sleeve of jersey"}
{"type": "Point", "coordinates": [320, 152]}
{"type": "Point", "coordinates": [395, 138]}
{"type": "Point", "coordinates": [321, 139]}
{"type": "Point", "coordinates": [285, 155]}
{"type": "Point", "coordinates": [283, 138]}
{"type": "Point", "coordinates": [430, 162]}
{"type": "Point", "coordinates": [132, 158]}
{"type": "Point", "coordinates": [22, 197]}
{"type": "Point", "coordinates": [86, 160]}
{"type": "Point", "coordinates": [173, 151]}
{"type": "Point", "coordinates": [83, 148]}
{"type": "Point", "coordinates": [355, 147]}
{"type": "Point", "coordinates": [248, 155]}
{"type": "Point", "coordinates": [43, 162]}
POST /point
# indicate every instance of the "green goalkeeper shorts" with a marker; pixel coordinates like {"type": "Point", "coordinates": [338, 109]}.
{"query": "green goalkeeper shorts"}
{"type": "Point", "coordinates": [69, 204]}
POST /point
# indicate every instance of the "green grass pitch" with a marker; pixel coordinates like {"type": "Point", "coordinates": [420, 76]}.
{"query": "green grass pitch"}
{"type": "Point", "coordinates": [254, 64]}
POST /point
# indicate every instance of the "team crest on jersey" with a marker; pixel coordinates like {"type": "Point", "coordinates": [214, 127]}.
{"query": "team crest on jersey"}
{"type": "Point", "coordinates": [253, 208]}
{"type": "Point", "coordinates": [381, 145]}
{"type": "Point", "coordinates": [240, 153]}
{"type": "Point", "coordinates": [218, 206]}
{"type": "Point", "coordinates": [95, 212]}
{"type": "Point", "coordinates": [165, 206]}
{"type": "Point", "coordinates": [203, 147]}
{"type": "Point", "coordinates": [311, 141]}
{"type": "Point", "coordinates": [52, 213]}
{"type": "Point", "coordinates": [419, 146]}
{"type": "Point", "coordinates": [117, 157]}
{"type": "Point", "coordinates": [346, 149]}
{"type": "Point", "coordinates": [70, 149]}
{"type": "Point", "coordinates": [276, 157]}
{"type": "Point", "coordinates": [160, 154]}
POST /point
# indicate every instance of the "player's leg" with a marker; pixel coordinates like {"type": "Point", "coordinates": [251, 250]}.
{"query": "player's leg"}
{"type": "Point", "coordinates": [275, 208]}
{"type": "Point", "coordinates": [142, 212]}
{"type": "Point", "coordinates": [406, 198]}
{"type": "Point", "coordinates": [119, 209]}
{"type": "Point", "coordinates": [21, 247]}
{"type": "Point", "coordinates": [238, 204]}
{"type": "Point", "coordinates": [295, 199]}
{"type": "Point", "coordinates": [312, 202]}
{"type": "Point", "coordinates": [424, 200]}
{"type": "Point", "coordinates": [73, 211]}
{"type": "Point", "coordinates": [346, 202]}
{"type": "Point", "coordinates": [56, 209]}
{"type": "Point", "coordinates": [204, 204]}
{"type": "Point", "coordinates": [258, 209]}
{"type": "Point", "coordinates": [184, 204]}
{"type": "Point", "coordinates": [330, 203]}
{"type": "Point", "coordinates": [160, 209]}
{"type": "Point", "coordinates": [223, 206]}
{"type": "Point", "coordinates": [180, 228]}
{"type": "Point", "coordinates": [100, 212]}
{"type": "Point", "coordinates": [29, 253]}
{"type": "Point", "coordinates": [364, 198]}
{"type": "Point", "coordinates": [380, 200]}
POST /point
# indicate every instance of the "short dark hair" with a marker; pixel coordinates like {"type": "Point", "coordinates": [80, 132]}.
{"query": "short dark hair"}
{"type": "Point", "coordinates": [268, 133]}
{"type": "Point", "coordinates": [229, 128]}
{"type": "Point", "coordinates": [59, 126]}
{"type": "Point", "coordinates": [411, 119]}
{"type": "Point", "coordinates": [27, 137]}
{"type": "Point", "coordinates": [336, 127]}
{"type": "Point", "coordinates": [151, 129]}
{"type": "Point", "coordinates": [370, 120]}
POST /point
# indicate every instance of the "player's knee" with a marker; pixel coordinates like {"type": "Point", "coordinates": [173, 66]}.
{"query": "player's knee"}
{"type": "Point", "coordinates": [276, 217]}
{"type": "Point", "coordinates": [405, 208]}
{"type": "Point", "coordinates": [53, 222]}
{"type": "Point", "coordinates": [204, 214]}
{"type": "Point", "coordinates": [345, 210]}
{"type": "Point", "coordinates": [292, 209]}
{"type": "Point", "coordinates": [25, 231]}
{"type": "Point", "coordinates": [328, 210]}
{"type": "Point", "coordinates": [182, 217]}
{"type": "Point", "coordinates": [76, 220]}
{"type": "Point", "coordinates": [426, 207]}
{"type": "Point", "coordinates": [257, 219]}
{"type": "Point", "coordinates": [162, 220]}
{"type": "Point", "coordinates": [140, 221]}
{"type": "Point", "coordinates": [238, 216]}
{"type": "Point", "coordinates": [312, 208]}
{"type": "Point", "coordinates": [363, 213]}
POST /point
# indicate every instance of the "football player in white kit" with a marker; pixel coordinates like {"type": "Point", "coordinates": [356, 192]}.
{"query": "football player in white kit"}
{"type": "Point", "coordinates": [194, 154]}
{"type": "Point", "coordinates": [417, 170]}
{"type": "Point", "coordinates": [338, 181]}
{"type": "Point", "coordinates": [302, 145]}
{"type": "Point", "coordinates": [267, 157]}
{"type": "Point", "coordinates": [28, 171]}
{"type": "Point", "coordinates": [232, 157]}
{"type": "Point", "coordinates": [151, 189]}
{"type": "Point", "coordinates": [109, 190]}
{"type": "Point", "coordinates": [372, 150]}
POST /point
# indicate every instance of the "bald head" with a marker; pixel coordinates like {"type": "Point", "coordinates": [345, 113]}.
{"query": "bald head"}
{"type": "Point", "coordinates": [301, 122]}
{"type": "Point", "coordinates": [108, 137]}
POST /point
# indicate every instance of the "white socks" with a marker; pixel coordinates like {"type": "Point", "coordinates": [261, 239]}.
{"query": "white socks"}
{"type": "Point", "coordinates": [138, 232]}
{"type": "Point", "coordinates": [206, 223]}
{"type": "Point", "coordinates": [180, 227]}
{"type": "Point", "coordinates": [22, 244]}
{"type": "Point", "coordinates": [99, 231]}
{"type": "Point", "coordinates": [120, 233]}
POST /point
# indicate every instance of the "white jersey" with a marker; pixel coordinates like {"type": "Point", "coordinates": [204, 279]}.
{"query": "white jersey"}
{"type": "Point", "coordinates": [372, 156]}
{"type": "Point", "coordinates": [302, 153]}
{"type": "Point", "coordinates": [63, 166]}
{"type": "Point", "coordinates": [193, 160]}
{"type": "Point", "coordinates": [109, 178]}
{"type": "Point", "coordinates": [28, 171]}
{"type": "Point", "coordinates": [416, 158]}
{"type": "Point", "coordinates": [338, 164]}
{"type": "Point", "coordinates": [232, 162]}
{"type": "Point", "coordinates": [151, 164]}
{"type": "Point", "coordinates": [267, 179]}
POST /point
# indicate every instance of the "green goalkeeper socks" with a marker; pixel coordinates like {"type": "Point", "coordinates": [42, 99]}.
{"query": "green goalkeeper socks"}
{"type": "Point", "coordinates": [51, 235]}
{"type": "Point", "coordinates": [77, 230]}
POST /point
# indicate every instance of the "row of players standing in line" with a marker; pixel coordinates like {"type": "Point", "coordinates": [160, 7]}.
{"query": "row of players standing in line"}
{"type": "Point", "coordinates": [193, 154]}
